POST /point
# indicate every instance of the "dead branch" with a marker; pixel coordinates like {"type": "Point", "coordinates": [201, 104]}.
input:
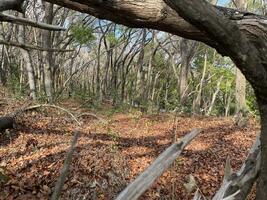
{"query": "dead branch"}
{"type": "Point", "coordinates": [238, 185]}
{"type": "Point", "coordinates": [23, 21]}
{"type": "Point", "coordinates": [135, 189]}
{"type": "Point", "coordinates": [32, 47]}
{"type": "Point", "coordinates": [65, 169]}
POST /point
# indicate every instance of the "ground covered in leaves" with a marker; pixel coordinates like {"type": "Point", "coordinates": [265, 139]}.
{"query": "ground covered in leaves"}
{"type": "Point", "coordinates": [113, 148]}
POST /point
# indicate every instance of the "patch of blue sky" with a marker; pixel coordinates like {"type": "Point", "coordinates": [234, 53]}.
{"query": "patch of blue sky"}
{"type": "Point", "coordinates": [223, 2]}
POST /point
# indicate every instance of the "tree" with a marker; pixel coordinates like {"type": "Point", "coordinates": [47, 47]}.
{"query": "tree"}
{"type": "Point", "coordinates": [240, 90]}
{"type": "Point", "coordinates": [239, 35]}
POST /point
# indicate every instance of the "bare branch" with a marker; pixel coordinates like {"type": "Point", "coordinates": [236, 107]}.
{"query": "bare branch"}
{"type": "Point", "coordinates": [32, 47]}
{"type": "Point", "coordinates": [23, 21]}
{"type": "Point", "coordinates": [239, 184]}
{"type": "Point", "coordinates": [65, 169]}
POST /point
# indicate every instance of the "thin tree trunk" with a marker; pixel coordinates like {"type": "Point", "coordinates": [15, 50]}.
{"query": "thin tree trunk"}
{"type": "Point", "coordinates": [214, 96]}
{"type": "Point", "coordinates": [184, 71]}
{"type": "Point", "coordinates": [47, 43]}
{"type": "Point", "coordinates": [141, 64]}
{"type": "Point", "coordinates": [28, 63]}
{"type": "Point", "coordinates": [197, 102]}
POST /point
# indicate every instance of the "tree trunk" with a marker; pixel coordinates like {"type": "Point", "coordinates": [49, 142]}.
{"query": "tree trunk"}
{"type": "Point", "coordinates": [240, 92]}
{"type": "Point", "coordinates": [197, 102]}
{"type": "Point", "coordinates": [3, 77]}
{"type": "Point", "coordinates": [28, 63]}
{"type": "Point", "coordinates": [184, 71]}
{"type": "Point", "coordinates": [141, 66]}
{"type": "Point", "coordinates": [261, 193]}
{"type": "Point", "coordinates": [47, 43]}
{"type": "Point", "coordinates": [214, 96]}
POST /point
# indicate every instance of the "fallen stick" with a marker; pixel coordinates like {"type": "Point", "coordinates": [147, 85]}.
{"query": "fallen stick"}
{"type": "Point", "coordinates": [65, 169]}
{"type": "Point", "coordinates": [135, 189]}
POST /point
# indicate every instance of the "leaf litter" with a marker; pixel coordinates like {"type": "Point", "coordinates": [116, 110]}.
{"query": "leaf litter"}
{"type": "Point", "coordinates": [110, 155]}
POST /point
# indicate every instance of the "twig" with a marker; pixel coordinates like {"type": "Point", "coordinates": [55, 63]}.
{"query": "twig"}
{"type": "Point", "coordinates": [65, 169]}
{"type": "Point", "coordinates": [24, 21]}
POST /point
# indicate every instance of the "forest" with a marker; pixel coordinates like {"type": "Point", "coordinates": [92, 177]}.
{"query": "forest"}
{"type": "Point", "coordinates": [162, 99]}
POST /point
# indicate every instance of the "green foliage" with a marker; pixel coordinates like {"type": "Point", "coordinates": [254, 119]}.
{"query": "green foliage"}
{"type": "Point", "coordinates": [82, 35]}
{"type": "Point", "coordinates": [13, 82]}
{"type": "Point", "coordinates": [111, 37]}
{"type": "Point", "coordinates": [251, 101]}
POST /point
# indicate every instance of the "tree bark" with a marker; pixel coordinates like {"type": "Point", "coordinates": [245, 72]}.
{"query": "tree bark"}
{"type": "Point", "coordinates": [47, 43]}
{"type": "Point", "coordinates": [28, 63]}
{"type": "Point", "coordinates": [240, 92]}
{"type": "Point", "coordinates": [261, 193]}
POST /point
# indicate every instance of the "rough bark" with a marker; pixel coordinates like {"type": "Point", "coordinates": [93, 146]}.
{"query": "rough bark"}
{"type": "Point", "coordinates": [47, 43]}
{"type": "Point", "coordinates": [187, 49]}
{"type": "Point", "coordinates": [261, 193]}
{"type": "Point", "coordinates": [28, 64]}
{"type": "Point", "coordinates": [240, 92]}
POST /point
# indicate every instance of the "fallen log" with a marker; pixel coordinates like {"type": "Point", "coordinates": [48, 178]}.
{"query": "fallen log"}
{"type": "Point", "coordinates": [8, 121]}
{"type": "Point", "coordinates": [135, 189]}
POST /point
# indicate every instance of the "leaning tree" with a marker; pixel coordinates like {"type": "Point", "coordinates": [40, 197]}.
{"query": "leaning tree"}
{"type": "Point", "coordinates": [240, 35]}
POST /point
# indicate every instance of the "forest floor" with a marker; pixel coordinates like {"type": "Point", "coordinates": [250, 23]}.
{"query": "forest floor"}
{"type": "Point", "coordinates": [112, 151]}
